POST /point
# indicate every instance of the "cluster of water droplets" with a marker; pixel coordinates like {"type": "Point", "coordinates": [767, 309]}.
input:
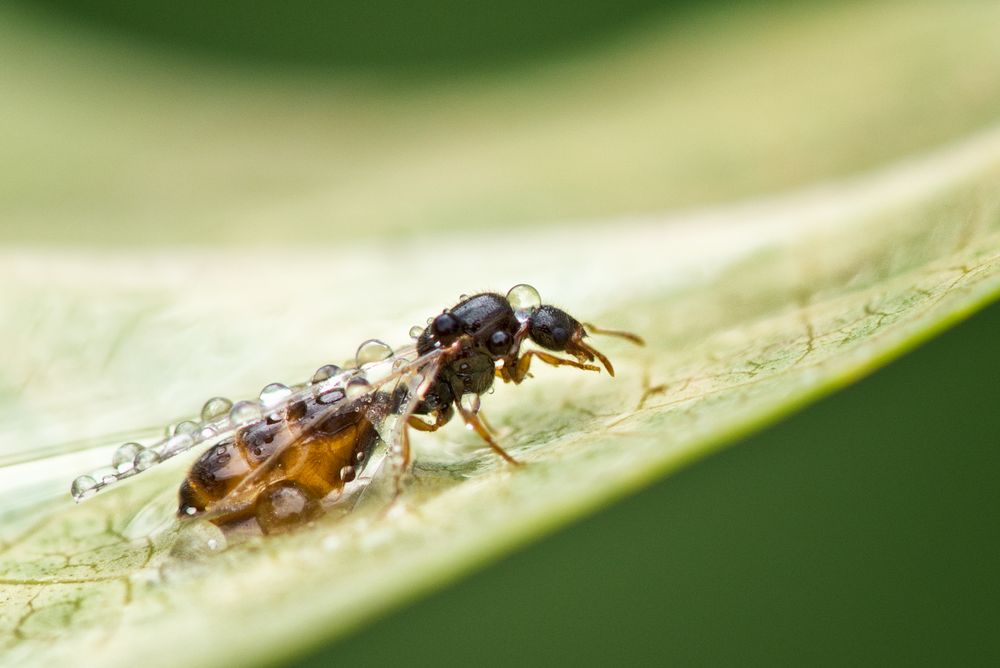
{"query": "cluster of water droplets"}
{"type": "Point", "coordinates": [219, 415]}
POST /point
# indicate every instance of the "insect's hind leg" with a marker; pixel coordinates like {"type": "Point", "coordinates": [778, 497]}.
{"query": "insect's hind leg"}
{"type": "Point", "coordinates": [477, 425]}
{"type": "Point", "coordinates": [441, 417]}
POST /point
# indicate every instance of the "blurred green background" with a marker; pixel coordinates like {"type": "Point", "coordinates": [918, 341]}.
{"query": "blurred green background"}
{"type": "Point", "coordinates": [211, 122]}
{"type": "Point", "coordinates": [860, 531]}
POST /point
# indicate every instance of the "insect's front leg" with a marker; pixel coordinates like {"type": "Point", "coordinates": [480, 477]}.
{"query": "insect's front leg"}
{"type": "Point", "coordinates": [519, 370]}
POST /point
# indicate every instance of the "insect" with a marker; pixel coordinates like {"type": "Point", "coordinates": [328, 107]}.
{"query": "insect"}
{"type": "Point", "coordinates": [274, 461]}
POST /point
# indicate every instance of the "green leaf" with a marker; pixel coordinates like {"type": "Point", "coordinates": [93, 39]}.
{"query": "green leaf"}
{"type": "Point", "coordinates": [742, 326]}
{"type": "Point", "coordinates": [750, 311]}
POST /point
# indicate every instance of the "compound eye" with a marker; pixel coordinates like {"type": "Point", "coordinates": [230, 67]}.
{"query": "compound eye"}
{"type": "Point", "coordinates": [499, 342]}
{"type": "Point", "coordinates": [445, 325]}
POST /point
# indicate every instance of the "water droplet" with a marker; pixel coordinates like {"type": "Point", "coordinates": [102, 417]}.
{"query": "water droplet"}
{"type": "Point", "coordinates": [124, 456]}
{"type": "Point", "coordinates": [470, 402]}
{"type": "Point", "coordinates": [206, 433]}
{"type": "Point", "coordinates": [215, 408]}
{"type": "Point", "coordinates": [197, 539]}
{"type": "Point", "coordinates": [372, 350]}
{"type": "Point", "coordinates": [186, 427]}
{"type": "Point", "coordinates": [359, 456]}
{"type": "Point", "coordinates": [358, 387]}
{"type": "Point", "coordinates": [325, 372]}
{"type": "Point", "coordinates": [274, 394]}
{"type": "Point", "coordinates": [284, 505]}
{"type": "Point", "coordinates": [524, 299]}
{"type": "Point", "coordinates": [347, 473]}
{"type": "Point", "coordinates": [105, 475]}
{"type": "Point", "coordinates": [243, 412]}
{"type": "Point", "coordinates": [416, 331]}
{"type": "Point", "coordinates": [176, 444]}
{"type": "Point", "coordinates": [330, 396]}
{"type": "Point", "coordinates": [83, 487]}
{"type": "Point", "coordinates": [168, 431]}
{"type": "Point", "coordinates": [145, 458]}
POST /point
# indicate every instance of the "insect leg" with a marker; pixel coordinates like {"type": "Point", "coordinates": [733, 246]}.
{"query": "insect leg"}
{"type": "Point", "coordinates": [520, 371]}
{"type": "Point", "coordinates": [473, 421]}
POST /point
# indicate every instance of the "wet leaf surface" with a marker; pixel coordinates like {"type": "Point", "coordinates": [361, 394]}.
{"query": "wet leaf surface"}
{"type": "Point", "coordinates": [749, 312]}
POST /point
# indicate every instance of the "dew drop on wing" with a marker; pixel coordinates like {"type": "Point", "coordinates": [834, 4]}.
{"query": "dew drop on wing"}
{"type": "Point", "coordinates": [371, 351]}
{"type": "Point", "coordinates": [215, 408]}
{"type": "Point", "coordinates": [83, 487]}
{"type": "Point", "coordinates": [357, 387]}
{"type": "Point", "coordinates": [274, 394]}
{"type": "Point", "coordinates": [186, 427]}
{"type": "Point", "coordinates": [106, 475]}
{"type": "Point", "coordinates": [243, 412]}
{"type": "Point", "coordinates": [330, 396]}
{"type": "Point", "coordinates": [326, 372]}
{"type": "Point", "coordinates": [416, 332]}
{"type": "Point", "coordinates": [176, 444]}
{"type": "Point", "coordinates": [145, 458]}
{"type": "Point", "coordinates": [124, 456]}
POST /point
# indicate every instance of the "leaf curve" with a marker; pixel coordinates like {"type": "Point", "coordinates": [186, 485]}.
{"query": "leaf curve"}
{"type": "Point", "coordinates": [750, 311]}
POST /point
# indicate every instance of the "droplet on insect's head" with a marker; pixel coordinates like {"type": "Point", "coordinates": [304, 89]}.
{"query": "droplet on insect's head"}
{"type": "Point", "coordinates": [186, 427]}
{"type": "Point", "coordinates": [416, 331]}
{"type": "Point", "coordinates": [347, 473]}
{"type": "Point", "coordinates": [358, 387]}
{"type": "Point", "coordinates": [243, 412]}
{"type": "Point", "coordinates": [215, 408]}
{"type": "Point", "coordinates": [325, 372]}
{"type": "Point", "coordinates": [124, 456]}
{"type": "Point", "coordinates": [83, 487]}
{"type": "Point", "coordinates": [524, 299]}
{"type": "Point", "coordinates": [274, 394]}
{"type": "Point", "coordinates": [372, 350]}
{"type": "Point", "coordinates": [145, 458]}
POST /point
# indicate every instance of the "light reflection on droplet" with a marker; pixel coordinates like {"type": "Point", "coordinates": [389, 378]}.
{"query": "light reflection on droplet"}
{"type": "Point", "coordinates": [325, 372]}
{"type": "Point", "coordinates": [83, 487]}
{"type": "Point", "coordinates": [372, 350]}
{"type": "Point", "coordinates": [215, 408]}
{"type": "Point", "coordinates": [243, 412]}
{"type": "Point", "coordinates": [274, 394]}
{"type": "Point", "coordinates": [524, 299]}
{"type": "Point", "coordinates": [124, 456]}
{"type": "Point", "coordinates": [145, 458]}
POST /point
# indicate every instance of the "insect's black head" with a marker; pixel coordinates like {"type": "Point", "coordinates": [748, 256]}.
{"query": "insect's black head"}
{"type": "Point", "coordinates": [553, 328]}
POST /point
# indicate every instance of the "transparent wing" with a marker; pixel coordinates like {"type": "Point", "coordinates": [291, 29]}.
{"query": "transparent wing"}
{"type": "Point", "coordinates": [384, 393]}
{"type": "Point", "coordinates": [221, 419]}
